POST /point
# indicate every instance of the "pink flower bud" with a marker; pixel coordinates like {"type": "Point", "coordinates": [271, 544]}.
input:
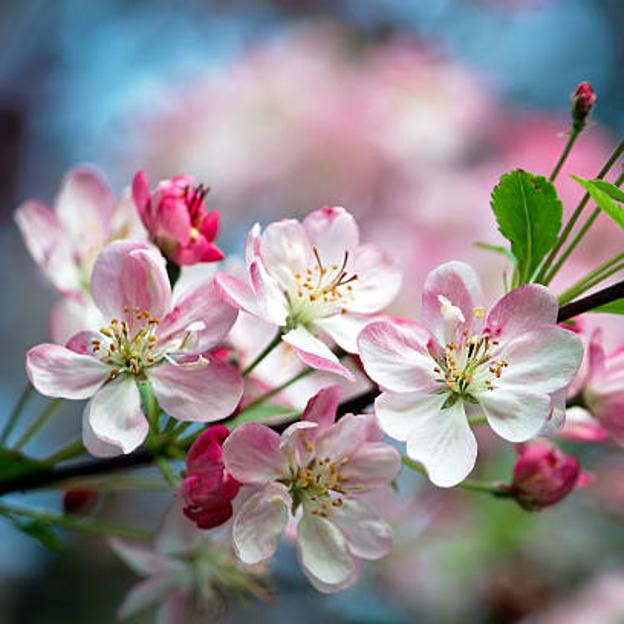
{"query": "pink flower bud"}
{"type": "Point", "coordinates": [176, 218]}
{"type": "Point", "coordinates": [583, 100]}
{"type": "Point", "coordinates": [79, 500]}
{"type": "Point", "coordinates": [543, 475]}
{"type": "Point", "coordinates": [208, 488]}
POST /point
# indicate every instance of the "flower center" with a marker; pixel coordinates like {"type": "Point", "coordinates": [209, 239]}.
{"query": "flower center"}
{"type": "Point", "coordinates": [467, 366]}
{"type": "Point", "coordinates": [125, 350]}
{"type": "Point", "coordinates": [323, 290]}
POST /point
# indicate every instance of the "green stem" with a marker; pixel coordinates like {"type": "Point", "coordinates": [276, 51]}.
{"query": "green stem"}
{"type": "Point", "coordinates": [16, 413]}
{"type": "Point", "coordinates": [168, 472]}
{"type": "Point", "coordinates": [76, 523]}
{"type": "Point", "coordinates": [574, 134]}
{"type": "Point", "coordinates": [150, 406]}
{"type": "Point", "coordinates": [493, 488]}
{"type": "Point", "coordinates": [271, 393]}
{"type": "Point", "coordinates": [73, 449]}
{"type": "Point", "coordinates": [474, 421]}
{"type": "Point", "coordinates": [274, 343]}
{"type": "Point", "coordinates": [37, 424]}
{"type": "Point", "coordinates": [563, 237]}
{"type": "Point", "coordinates": [577, 239]}
{"type": "Point", "coordinates": [591, 280]}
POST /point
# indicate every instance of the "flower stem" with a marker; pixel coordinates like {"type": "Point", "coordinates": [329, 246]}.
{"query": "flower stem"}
{"type": "Point", "coordinates": [76, 523]}
{"type": "Point", "coordinates": [576, 214]}
{"type": "Point", "coordinates": [73, 449]}
{"type": "Point", "coordinates": [150, 406]}
{"type": "Point", "coordinates": [274, 343]}
{"type": "Point", "coordinates": [171, 476]}
{"type": "Point", "coordinates": [493, 488]}
{"type": "Point", "coordinates": [271, 393]}
{"type": "Point", "coordinates": [592, 279]}
{"type": "Point", "coordinates": [16, 413]}
{"type": "Point", "coordinates": [173, 272]}
{"type": "Point", "coordinates": [595, 300]}
{"type": "Point", "coordinates": [37, 424]}
{"type": "Point", "coordinates": [474, 421]}
{"type": "Point", "coordinates": [574, 134]}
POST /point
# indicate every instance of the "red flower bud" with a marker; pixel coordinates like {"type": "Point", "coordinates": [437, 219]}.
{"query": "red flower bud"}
{"type": "Point", "coordinates": [176, 219]}
{"type": "Point", "coordinates": [208, 488]}
{"type": "Point", "coordinates": [583, 100]}
{"type": "Point", "coordinates": [79, 500]}
{"type": "Point", "coordinates": [543, 475]}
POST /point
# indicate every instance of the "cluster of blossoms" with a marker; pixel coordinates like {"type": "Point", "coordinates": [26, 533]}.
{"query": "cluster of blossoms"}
{"type": "Point", "coordinates": [151, 334]}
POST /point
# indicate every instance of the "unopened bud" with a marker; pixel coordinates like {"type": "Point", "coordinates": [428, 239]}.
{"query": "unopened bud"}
{"type": "Point", "coordinates": [583, 101]}
{"type": "Point", "coordinates": [79, 500]}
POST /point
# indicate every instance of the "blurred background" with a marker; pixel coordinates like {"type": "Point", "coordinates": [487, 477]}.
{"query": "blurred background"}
{"type": "Point", "coordinates": [406, 113]}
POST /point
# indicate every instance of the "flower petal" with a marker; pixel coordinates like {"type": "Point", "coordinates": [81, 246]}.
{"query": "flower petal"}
{"type": "Point", "coordinates": [332, 230]}
{"type": "Point", "coordinates": [323, 550]}
{"type": "Point", "coordinates": [440, 439]}
{"type": "Point", "coordinates": [142, 196]}
{"type": "Point", "coordinates": [201, 390]}
{"type": "Point", "coordinates": [368, 536]}
{"type": "Point", "coordinates": [130, 273]}
{"type": "Point", "coordinates": [199, 304]}
{"type": "Point", "coordinates": [396, 357]}
{"type": "Point", "coordinates": [344, 329]}
{"type": "Point", "coordinates": [260, 522]}
{"type": "Point", "coordinates": [141, 560]}
{"type": "Point", "coordinates": [238, 294]}
{"type": "Point", "coordinates": [321, 408]}
{"type": "Point", "coordinates": [56, 371]}
{"type": "Point", "coordinates": [115, 414]}
{"type": "Point", "coordinates": [252, 454]}
{"type": "Point", "coordinates": [344, 438]}
{"type": "Point", "coordinates": [458, 284]}
{"type": "Point", "coordinates": [315, 353]}
{"type": "Point", "coordinates": [93, 444]}
{"type": "Point", "coordinates": [522, 310]}
{"type": "Point", "coordinates": [516, 414]}
{"type": "Point", "coordinates": [71, 314]}
{"type": "Point", "coordinates": [373, 465]}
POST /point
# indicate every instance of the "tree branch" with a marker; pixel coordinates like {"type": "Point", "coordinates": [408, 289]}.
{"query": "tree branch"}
{"type": "Point", "coordinates": [602, 297]}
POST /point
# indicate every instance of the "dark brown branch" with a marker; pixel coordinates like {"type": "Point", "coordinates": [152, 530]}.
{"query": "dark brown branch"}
{"type": "Point", "coordinates": [602, 297]}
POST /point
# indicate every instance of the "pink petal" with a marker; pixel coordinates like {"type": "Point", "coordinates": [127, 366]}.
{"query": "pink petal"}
{"type": "Point", "coordinates": [323, 550]}
{"type": "Point", "coordinates": [260, 522]}
{"type": "Point", "coordinates": [396, 357]}
{"type": "Point", "coordinates": [56, 371]}
{"type": "Point", "coordinates": [115, 414]}
{"type": "Point", "coordinates": [269, 293]}
{"type": "Point", "coordinates": [140, 559]}
{"type": "Point", "coordinates": [85, 206]}
{"type": "Point", "coordinates": [72, 314]}
{"type": "Point", "coordinates": [142, 197]}
{"type": "Point", "coordinates": [93, 444]}
{"type": "Point", "coordinates": [48, 244]}
{"type": "Point", "coordinates": [372, 465]}
{"type": "Point", "coordinates": [438, 438]}
{"type": "Point", "coordinates": [458, 283]}
{"type": "Point", "coordinates": [522, 310]}
{"type": "Point", "coordinates": [238, 294]}
{"type": "Point", "coordinates": [368, 536]}
{"type": "Point", "coordinates": [581, 426]}
{"type": "Point", "coordinates": [199, 304]}
{"type": "Point", "coordinates": [172, 609]}
{"type": "Point", "coordinates": [252, 244]}
{"type": "Point", "coordinates": [130, 273]}
{"type": "Point", "coordinates": [172, 220]}
{"type": "Point", "coordinates": [251, 454]}
{"type": "Point", "coordinates": [321, 408]}
{"type": "Point", "coordinates": [314, 353]}
{"type": "Point", "coordinates": [176, 535]}
{"type": "Point", "coordinates": [344, 329]}
{"type": "Point", "coordinates": [201, 390]}
{"type": "Point", "coordinates": [332, 230]}
{"type": "Point", "coordinates": [516, 414]}
{"type": "Point", "coordinates": [143, 595]}
{"type": "Point", "coordinates": [379, 280]}
{"type": "Point", "coordinates": [344, 438]}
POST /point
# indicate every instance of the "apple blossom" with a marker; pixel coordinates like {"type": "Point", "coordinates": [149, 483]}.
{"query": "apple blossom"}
{"type": "Point", "coordinates": [316, 472]}
{"type": "Point", "coordinates": [543, 475]}
{"type": "Point", "coordinates": [149, 339]}
{"type": "Point", "coordinates": [65, 240]}
{"type": "Point", "coordinates": [184, 568]}
{"type": "Point", "coordinates": [506, 365]}
{"type": "Point", "coordinates": [208, 489]}
{"type": "Point", "coordinates": [314, 277]}
{"type": "Point", "coordinates": [176, 218]}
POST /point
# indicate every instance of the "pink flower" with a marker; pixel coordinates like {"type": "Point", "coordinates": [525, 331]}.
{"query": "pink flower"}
{"type": "Point", "coordinates": [314, 277]}
{"type": "Point", "coordinates": [208, 488]}
{"type": "Point", "coordinates": [315, 472]}
{"type": "Point", "coordinates": [583, 100]}
{"type": "Point", "coordinates": [543, 475]}
{"type": "Point", "coordinates": [65, 240]}
{"type": "Point", "coordinates": [505, 367]}
{"type": "Point", "coordinates": [175, 217]}
{"type": "Point", "coordinates": [600, 412]}
{"type": "Point", "coordinates": [149, 339]}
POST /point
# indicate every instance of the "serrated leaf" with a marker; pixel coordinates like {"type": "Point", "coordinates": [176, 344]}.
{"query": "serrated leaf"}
{"type": "Point", "coordinates": [613, 307]}
{"type": "Point", "coordinates": [528, 212]}
{"type": "Point", "coordinates": [13, 464]}
{"type": "Point", "coordinates": [39, 531]}
{"type": "Point", "coordinates": [603, 198]}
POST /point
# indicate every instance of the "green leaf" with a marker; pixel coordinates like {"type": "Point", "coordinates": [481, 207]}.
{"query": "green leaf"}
{"type": "Point", "coordinates": [497, 249]}
{"type": "Point", "coordinates": [13, 464]}
{"type": "Point", "coordinates": [613, 307]}
{"type": "Point", "coordinates": [39, 531]}
{"type": "Point", "coordinates": [603, 199]}
{"type": "Point", "coordinates": [614, 192]}
{"type": "Point", "coordinates": [528, 213]}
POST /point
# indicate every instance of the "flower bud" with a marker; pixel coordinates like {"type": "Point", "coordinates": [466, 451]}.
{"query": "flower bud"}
{"type": "Point", "coordinates": [543, 475]}
{"type": "Point", "coordinates": [583, 100]}
{"type": "Point", "coordinates": [79, 500]}
{"type": "Point", "coordinates": [208, 489]}
{"type": "Point", "coordinates": [176, 219]}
